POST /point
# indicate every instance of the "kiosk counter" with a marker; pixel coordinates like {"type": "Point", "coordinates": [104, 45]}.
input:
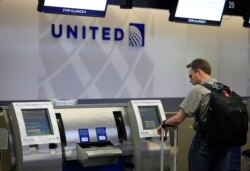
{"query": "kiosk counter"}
{"type": "Point", "coordinates": [42, 136]}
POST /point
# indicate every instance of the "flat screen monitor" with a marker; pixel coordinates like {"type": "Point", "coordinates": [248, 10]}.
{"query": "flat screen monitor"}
{"type": "Point", "coordinates": [37, 122]}
{"type": "Point", "coordinates": [202, 12]}
{"type": "Point", "coordinates": [149, 117]}
{"type": "Point", "coordinates": [95, 8]}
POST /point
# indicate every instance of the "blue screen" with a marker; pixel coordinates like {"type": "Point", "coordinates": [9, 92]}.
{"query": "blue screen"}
{"type": "Point", "coordinates": [37, 122]}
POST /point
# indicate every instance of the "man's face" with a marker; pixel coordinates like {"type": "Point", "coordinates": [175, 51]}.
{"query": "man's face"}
{"type": "Point", "coordinates": [194, 76]}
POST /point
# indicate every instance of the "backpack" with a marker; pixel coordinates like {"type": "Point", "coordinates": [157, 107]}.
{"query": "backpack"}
{"type": "Point", "coordinates": [227, 117]}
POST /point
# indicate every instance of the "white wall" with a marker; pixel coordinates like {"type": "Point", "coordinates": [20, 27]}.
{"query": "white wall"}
{"type": "Point", "coordinates": [35, 65]}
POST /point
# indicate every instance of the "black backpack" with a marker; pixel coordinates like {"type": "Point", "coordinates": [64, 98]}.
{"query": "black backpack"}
{"type": "Point", "coordinates": [227, 117]}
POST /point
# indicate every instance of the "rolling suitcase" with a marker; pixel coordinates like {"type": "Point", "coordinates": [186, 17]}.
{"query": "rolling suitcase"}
{"type": "Point", "coordinates": [163, 138]}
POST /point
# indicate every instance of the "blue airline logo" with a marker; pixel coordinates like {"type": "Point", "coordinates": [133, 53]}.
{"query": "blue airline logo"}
{"type": "Point", "coordinates": [136, 35]}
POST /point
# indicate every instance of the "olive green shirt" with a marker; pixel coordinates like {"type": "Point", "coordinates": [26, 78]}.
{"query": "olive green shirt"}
{"type": "Point", "coordinates": [197, 101]}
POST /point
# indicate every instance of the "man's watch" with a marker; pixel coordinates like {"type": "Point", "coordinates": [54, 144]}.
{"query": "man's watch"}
{"type": "Point", "coordinates": [163, 124]}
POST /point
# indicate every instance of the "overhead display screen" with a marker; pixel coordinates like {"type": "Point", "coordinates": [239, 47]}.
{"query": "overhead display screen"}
{"type": "Point", "coordinates": [36, 122]}
{"type": "Point", "coordinates": [149, 117]}
{"type": "Point", "coordinates": [74, 7]}
{"type": "Point", "coordinates": [204, 12]}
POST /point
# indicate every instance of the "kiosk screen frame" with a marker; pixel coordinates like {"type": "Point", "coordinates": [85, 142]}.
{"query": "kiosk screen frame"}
{"type": "Point", "coordinates": [23, 123]}
{"type": "Point", "coordinates": [146, 127]}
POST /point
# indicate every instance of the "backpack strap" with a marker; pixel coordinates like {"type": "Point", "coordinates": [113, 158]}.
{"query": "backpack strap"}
{"type": "Point", "coordinates": [201, 127]}
{"type": "Point", "coordinates": [218, 87]}
{"type": "Point", "coordinates": [208, 86]}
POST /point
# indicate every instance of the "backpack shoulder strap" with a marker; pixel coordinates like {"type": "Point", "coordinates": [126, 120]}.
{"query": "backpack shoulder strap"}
{"type": "Point", "coordinates": [201, 125]}
{"type": "Point", "coordinates": [219, 88]}
{"type": "Point", "coordinates": [208, 86]}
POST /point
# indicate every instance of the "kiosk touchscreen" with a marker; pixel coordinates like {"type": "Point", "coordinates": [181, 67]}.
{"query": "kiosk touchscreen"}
{"type": "Point", "coordinates": [148, 116]}
{"type": "Point", "coordinates": [37, 122]}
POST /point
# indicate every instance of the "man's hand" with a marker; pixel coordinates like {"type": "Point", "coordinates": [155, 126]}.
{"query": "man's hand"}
{"type": "Point", "coordinates": [160, 128]}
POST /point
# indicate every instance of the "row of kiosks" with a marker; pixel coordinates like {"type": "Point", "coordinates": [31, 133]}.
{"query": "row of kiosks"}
{"type": "Point", "coordinates": [42, 136]}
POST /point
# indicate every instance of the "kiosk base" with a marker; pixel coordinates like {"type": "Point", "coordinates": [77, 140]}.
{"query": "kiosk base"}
{"type": "Point", "coordinates": [76, 166]}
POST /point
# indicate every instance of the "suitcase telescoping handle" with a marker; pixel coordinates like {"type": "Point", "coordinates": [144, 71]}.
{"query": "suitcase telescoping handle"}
{"type": "Point", "coordinates": [163, 138]}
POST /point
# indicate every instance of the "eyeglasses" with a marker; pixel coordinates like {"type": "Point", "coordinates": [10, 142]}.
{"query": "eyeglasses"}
{"type": "Point", "coordinates": [191, 75]}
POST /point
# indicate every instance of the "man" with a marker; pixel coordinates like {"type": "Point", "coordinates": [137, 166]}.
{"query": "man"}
{"type": "Point", "coordinates": [202, 156]}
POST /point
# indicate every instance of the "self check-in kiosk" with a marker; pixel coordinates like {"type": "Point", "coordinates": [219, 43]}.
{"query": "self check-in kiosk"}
{"type": "Point", "coordinates": [42, 136]}
{"type": "Point", "coordinates": [145, 117]}
{"type": "Point", "coordinates": [33, 136]}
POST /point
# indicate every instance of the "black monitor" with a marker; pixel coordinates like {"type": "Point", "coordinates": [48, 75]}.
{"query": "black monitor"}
{"type": "Point", "coordinates": [246, 13]}
{"type": "Point", "coordinates": [95, 8]}
{"type": "Point", "coordinates": [202, 12]}
{"type": "Point", "coordinates": [246, 22]}
{"type": "Point", "coordinates": [37, 122]}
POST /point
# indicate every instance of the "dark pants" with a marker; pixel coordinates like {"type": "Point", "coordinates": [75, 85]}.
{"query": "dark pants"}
{"type": "Point", "coordinates": [203, 157]}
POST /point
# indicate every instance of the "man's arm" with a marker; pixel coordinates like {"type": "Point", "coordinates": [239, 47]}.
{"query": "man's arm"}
{"type": "Point", "coordinates": [177, 118]}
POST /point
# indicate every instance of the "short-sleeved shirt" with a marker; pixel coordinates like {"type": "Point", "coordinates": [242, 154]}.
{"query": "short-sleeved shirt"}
{"type": "Point", "coordinates": [197, 101]}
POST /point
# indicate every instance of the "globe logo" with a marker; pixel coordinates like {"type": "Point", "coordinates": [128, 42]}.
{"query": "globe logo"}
{"type": "Point", "coordinates": [136, 35]}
